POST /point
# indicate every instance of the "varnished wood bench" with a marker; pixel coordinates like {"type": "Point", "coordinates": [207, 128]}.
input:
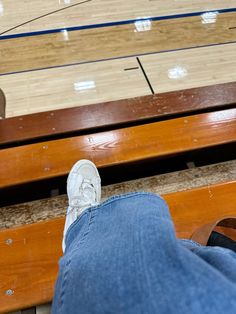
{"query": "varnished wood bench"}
{"type": "Point", "coordinates": [41, 126]}
{"type": "Point", "coordinates": [29, 265]}
{"type": "Point", "coordinates": [29, 163]}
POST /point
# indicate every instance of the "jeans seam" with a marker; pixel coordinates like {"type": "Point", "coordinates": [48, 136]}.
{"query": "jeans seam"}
{"type": "Point", "coordinates": [71, 227]}
{"type": "Point", "coordinates": [86, 232]}
{"type": "Point", "coordinates": [63, 285]}
{"type": "Point", "coordinates": [67, 264]}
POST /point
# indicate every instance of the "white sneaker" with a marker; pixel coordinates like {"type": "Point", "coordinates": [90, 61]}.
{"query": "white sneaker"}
{"type": "Point", "coordinates": [83, 189]}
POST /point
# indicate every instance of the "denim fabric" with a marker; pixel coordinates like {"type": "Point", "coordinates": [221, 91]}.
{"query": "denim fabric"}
{"type": "Point", "coordinates": [123, 257]}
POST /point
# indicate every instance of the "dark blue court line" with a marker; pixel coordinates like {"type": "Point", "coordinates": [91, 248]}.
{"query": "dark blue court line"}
{"type": "Point", "coordinates": [125, 22]}
{"type": "Point", "coordinates": [117, 58]}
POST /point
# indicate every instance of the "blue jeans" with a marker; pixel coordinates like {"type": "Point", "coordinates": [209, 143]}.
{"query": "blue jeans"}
{"type": "Point", "coordinates": [123, 257]}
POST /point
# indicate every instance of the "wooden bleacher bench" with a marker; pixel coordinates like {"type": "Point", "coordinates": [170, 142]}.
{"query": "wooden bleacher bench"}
{"type": "Point", "coordinates": [29, 264]}
{"type": "Point", "coordinates": [29, 163]}
{"type": "Point", "coordinates": [112, 114]}
{"type": "Point", "coordinates": [45, 145]}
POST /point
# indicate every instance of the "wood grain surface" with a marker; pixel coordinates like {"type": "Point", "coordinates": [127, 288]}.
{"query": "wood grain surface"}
{"type": "Point", "coordinates": [191, 68]}
{"type": "Point", "coordinates": [77, 85]}
{"type": "Point", "coordinates": [37, 15]}
{"type": "Point", "coordinates": [29, 266]}
{"type": "Point", "coordinates": [49, 50]}
{"type": "Point", "coordinates": [50, 159]}
{"type": "Point", "coordinates": [87, 84]}
{"type": "Point", "coordinates": [140, 109]}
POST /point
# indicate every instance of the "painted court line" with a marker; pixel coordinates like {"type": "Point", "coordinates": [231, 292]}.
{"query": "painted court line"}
{"type": "Point", "coordinates": [125, 22]}
{"type": "Point", "coordinates": [145, 76]}
{"type": "Point", "coordinates": [117, 58]}
{"type": "Point", "coordinates": [44, 15]}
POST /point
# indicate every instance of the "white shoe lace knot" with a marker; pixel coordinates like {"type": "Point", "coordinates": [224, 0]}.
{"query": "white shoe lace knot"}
{"type": "Point", "coordinates": [86, 196]}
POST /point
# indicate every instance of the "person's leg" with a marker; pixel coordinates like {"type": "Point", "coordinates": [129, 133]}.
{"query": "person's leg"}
{"type": "Point", "coordinates": [123, 257]}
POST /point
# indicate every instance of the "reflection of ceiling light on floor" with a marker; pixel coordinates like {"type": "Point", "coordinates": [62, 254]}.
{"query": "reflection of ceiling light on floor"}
{"type": "Point", "coordinates": [1, 8]}
{"type": "Point", "coordinates": [82, 86]}
{"type": "Point", "coordinates": [65, 1]}
{"type": "Point", "coordinates": [178, 72]}
{"type": "Point", "coordinates": [143, 26]}
{"type": "Point", "coordinates": [209, 17]}
{"type": "Point", "coordinates": [65, 34]}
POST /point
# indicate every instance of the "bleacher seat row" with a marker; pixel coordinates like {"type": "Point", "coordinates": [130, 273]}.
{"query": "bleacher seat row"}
{"type": "Point", "coordinates": [135, 131]}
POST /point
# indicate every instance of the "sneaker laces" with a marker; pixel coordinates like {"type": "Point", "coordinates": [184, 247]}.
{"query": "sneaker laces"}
{"type": "Point", "coordinates": [86, 196]}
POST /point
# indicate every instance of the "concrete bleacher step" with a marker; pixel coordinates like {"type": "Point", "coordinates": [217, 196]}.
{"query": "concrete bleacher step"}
{"type": "Point", "coordinates": [44, 209]}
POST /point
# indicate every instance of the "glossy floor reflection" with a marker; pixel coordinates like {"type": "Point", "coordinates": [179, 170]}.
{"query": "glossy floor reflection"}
{"type": "Point", "coordinates": [44, 72]}
{"type": "Point", "coordinates": [40, 15]}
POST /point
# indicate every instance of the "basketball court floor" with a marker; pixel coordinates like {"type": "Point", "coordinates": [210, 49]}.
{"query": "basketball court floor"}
{"type": "Point", "coordinates": [58, 54]}
{"type": "Point", "coordinates": [61, 53]}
